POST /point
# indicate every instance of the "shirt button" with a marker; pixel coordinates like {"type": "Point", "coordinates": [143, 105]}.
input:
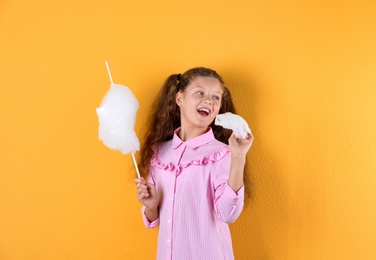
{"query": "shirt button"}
{"type": "Point", "coordinates": [171, 198]}
{"type": "Point", "coordinates": [169, 221]}
{"type": "Point", "coordinates": [168, 242]}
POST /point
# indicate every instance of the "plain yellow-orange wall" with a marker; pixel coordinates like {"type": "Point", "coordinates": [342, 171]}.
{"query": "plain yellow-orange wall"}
{"type": "Point", "coordinates": [302, 73]}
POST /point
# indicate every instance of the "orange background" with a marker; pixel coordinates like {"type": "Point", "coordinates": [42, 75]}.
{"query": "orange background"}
{"type": "Point", "coordinates": [302, 73]}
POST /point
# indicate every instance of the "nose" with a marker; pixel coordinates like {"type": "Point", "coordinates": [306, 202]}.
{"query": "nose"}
{"type": "Point", "coordinates": [208, 101]}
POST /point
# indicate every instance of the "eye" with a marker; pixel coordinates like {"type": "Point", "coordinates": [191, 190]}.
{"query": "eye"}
{"type": "Point", "coordinates": [217, 98]}
{"type": "Point", "coordinates": [200, 93]}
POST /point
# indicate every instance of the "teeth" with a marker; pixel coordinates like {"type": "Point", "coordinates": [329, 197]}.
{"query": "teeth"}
{"type": "Point", "coordinates": [204, 110]}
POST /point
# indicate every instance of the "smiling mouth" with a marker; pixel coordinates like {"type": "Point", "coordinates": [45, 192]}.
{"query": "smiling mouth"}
{"type": "Point", "coordinates": [203, 111]}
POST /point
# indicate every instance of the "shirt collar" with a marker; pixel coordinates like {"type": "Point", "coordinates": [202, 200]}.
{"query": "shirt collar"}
{"type": "Point", "coordinates": [194, 142]}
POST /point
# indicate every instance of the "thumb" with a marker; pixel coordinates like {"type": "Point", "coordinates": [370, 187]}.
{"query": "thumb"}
{"type": "Point", "coordinates": [232, 138]}
{"type": "Point", "coordinates": [151, 187]}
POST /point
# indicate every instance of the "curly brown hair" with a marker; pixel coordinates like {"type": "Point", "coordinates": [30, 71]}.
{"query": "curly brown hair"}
{"type": "Point", "coordinates": [165, 113]}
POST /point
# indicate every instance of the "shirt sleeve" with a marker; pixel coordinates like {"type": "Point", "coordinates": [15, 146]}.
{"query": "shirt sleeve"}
{"type": "Point", "coordinates": [147, 223]}
{"type": "Point", "coordinates": [228, 204]}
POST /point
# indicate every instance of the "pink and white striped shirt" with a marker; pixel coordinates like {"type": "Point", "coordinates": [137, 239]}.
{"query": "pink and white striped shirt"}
{"type": "Point", "coordinates": [196, 203]}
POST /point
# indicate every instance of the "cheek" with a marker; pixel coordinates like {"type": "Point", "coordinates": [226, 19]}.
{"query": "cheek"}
{"type": "Point", "coordinates": [217, 107]}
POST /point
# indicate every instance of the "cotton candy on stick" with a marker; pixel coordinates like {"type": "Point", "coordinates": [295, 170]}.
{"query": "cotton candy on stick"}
{"type": "Point", "coordinates": [234, 122]}
{"type": "Point", "coordinates": [117, 117]}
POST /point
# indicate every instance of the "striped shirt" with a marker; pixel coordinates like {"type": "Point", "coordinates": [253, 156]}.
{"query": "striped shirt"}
{"type": "Point", "coordinates": [196, 203]}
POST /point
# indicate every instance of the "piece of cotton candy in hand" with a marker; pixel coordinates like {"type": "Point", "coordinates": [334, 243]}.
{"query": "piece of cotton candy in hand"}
{"type": "Point", "coordinates": [117, 117]}
{"type": "Point", "coordinates": [234, 122]}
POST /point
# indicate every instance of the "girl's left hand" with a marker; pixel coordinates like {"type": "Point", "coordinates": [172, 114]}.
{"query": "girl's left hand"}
{"type": "Point", "coordinates": [240, 146]}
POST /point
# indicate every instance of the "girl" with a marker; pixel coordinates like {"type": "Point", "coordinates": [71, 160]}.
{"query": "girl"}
{"type": "Point", "coordinates": [195, 185]}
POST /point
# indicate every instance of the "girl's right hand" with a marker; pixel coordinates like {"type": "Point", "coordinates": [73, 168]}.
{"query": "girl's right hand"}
{"type": "Point", "coordinates": [147, 194]}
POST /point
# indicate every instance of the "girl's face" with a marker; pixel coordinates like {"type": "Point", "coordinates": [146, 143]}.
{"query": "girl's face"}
{"type": "Point", "coordinates": [200, 102]}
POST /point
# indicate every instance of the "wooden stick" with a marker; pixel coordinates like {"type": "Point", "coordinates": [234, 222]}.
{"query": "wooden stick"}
{"type": "Point", "coordinates": [135, 165]}
{"type": "Point", "coordinates": [109, 72]}
{"type": "Point", "coordinates": [134, 159]}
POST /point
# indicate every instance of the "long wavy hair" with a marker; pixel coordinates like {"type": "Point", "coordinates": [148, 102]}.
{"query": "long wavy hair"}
{"type": "Point", "coordinates": [165, 114]}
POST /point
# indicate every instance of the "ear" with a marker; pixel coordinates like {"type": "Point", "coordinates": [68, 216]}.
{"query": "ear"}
{"type": "Point", "coordinates": [179, 98]}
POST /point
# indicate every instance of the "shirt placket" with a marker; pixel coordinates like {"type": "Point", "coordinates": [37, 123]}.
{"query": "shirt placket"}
{"type": "Point", "coordinates": [171, 199]}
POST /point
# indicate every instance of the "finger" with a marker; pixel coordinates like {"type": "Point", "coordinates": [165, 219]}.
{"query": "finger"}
{"type": "Point", "coordinates": [250, 137]}
{"type": "Point", "coordinates": [150, 185]}
{"type": "Point", "coordinates": [138, 180]}
{"type": "Point", "coordinates": [140, 196]}
{"type": "Point", "coordinates": [142, 186]}
{"type": "Point", "coordinates": [142, 191]}
{"type": "Point", "coordinates": [143, 194]}
{"type": "Point", "coordinates": [232, 136]}
{"type": "Point", "coordinates": [146, 195]}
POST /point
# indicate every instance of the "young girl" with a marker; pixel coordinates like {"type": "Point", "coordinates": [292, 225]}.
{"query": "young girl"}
{"type": "Point", "coordinates": [195, 182]}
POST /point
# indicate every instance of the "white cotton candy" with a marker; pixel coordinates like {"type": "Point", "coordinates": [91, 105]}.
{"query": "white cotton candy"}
{"type": "Point", "coordinates": [234, 122]}
{"type": "Point", "coordinates": [117, 117]}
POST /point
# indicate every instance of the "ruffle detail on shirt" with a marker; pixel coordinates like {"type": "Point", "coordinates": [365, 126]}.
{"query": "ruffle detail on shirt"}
{"type": "Point", "coordinates": [156, 162]}
{"type": "Point", "coordinates": [214, 157]}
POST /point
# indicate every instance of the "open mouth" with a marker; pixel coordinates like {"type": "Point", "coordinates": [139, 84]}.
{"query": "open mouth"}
{"type": "Point", "coordinates": [203, 111]}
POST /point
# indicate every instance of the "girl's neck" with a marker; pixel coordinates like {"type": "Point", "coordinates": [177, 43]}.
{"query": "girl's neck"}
{"type": "Point", "coordinates": [186, 134]}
